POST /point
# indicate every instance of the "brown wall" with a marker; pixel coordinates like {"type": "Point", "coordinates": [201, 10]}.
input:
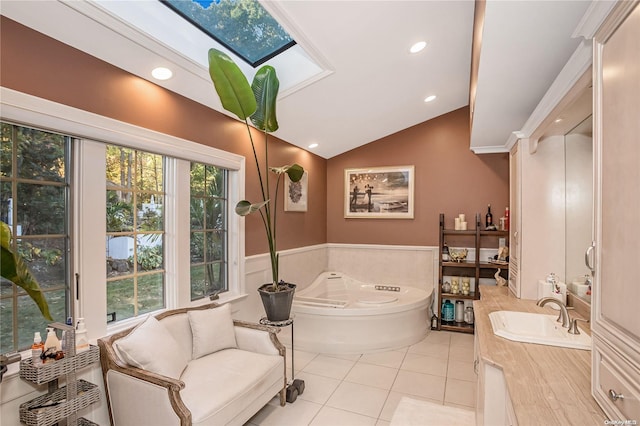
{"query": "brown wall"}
{"type": "Point", "coordinates": [38, 65]}
{"type": "Point", "coordinates": [450, 179]}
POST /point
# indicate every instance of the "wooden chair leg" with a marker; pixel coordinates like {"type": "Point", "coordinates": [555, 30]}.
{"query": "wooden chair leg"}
{"type": "Point", "coordinates": [283, 397]}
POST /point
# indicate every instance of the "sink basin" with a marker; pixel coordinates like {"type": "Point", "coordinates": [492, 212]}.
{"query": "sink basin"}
{"type": "Point", "coordinates": [536, 328]}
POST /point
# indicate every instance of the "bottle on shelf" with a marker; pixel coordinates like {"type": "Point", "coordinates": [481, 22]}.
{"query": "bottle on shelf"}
{"type": "Point", "coordinates": [488, 219]}
{"type": "Point", "coordinates": [82, 342]}
{"type": "Point", "coordinates": [434, 322]}
{"type": "Point", "coordinates": [52, 340]}
{"type": "Point", "coordinates": [445, 253]}
{"type": "Point", "coordinates": [36, 349]}
{"type": "Point", "coordinates": [468, 315]}
{"type": "Point", "coordinates": [506, 217]}
{"type": "Point", "coordinates": [447, 311]}
{"type": "Point", "coordinates": [459, 311]}
{"type": "Point", "coordinates": [63, 339]}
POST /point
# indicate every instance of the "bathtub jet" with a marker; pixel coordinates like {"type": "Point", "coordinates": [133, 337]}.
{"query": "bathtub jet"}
{"type": "Point", "coordinates": [337, 314]}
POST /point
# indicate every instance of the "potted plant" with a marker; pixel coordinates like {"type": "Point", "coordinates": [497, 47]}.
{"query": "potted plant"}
{"type": "Point", "coordinates": [257, 102]}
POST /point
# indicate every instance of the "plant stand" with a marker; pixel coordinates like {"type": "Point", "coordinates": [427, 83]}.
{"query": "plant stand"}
{"type": "Point", "coordinates": [295, 387]}
{"type": "Point", "coordinates": [65, 402]}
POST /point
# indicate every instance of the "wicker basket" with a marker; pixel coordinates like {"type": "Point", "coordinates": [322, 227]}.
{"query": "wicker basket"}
{"type": "Point", "coordinates": [88, 393]}
{"type": "Point", "coordinates": [52, 370]}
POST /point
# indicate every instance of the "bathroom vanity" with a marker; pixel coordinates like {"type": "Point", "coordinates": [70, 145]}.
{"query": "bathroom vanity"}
{"type": "Point", "coordinates": [525, 383]}
{"type": "Point", "coordinates": [536, 384]}
{"type": "Point", "coordinates": [616, 330]}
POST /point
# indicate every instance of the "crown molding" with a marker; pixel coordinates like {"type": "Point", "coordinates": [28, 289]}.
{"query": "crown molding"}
{"type": "Point", "coordinates": [593, 18]}
{"type": "Point", "coordinates": [571, 73]}
{"type": "Point", "coordinates": [495, 149]}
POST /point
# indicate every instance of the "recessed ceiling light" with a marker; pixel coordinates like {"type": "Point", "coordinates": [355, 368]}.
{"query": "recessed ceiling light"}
{"type": "Point", "coordinates": [162, 73]}
{"type": "Point", "coordinates": [418, 46]}
{"type": "Point", "coordinates": [430, 98]}
{"type": "Point", "coordinates": [557, 120]}
{"type": "Point", "coordinates": [313, 145]}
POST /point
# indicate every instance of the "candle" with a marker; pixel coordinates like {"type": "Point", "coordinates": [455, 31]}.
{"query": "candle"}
{"type": "Point", "coordinates": [457, 223]}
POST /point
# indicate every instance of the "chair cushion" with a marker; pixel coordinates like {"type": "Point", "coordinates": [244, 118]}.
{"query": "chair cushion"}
{"type": "Point", "coordinates": [220, 385]}
{"type": "Point", "coordinates": [151, 347]}
{"type": "Point", "coordinates": [212, 331]}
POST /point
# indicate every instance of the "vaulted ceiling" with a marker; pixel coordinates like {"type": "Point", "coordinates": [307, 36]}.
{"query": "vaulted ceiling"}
{"type": "Point", "coordinates": [351, 79]}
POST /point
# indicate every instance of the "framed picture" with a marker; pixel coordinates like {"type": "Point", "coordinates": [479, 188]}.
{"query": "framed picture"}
{"type": "Point", "coordinates": [379, 192]}
{"type": "Point", "coordinates": [295, 193]}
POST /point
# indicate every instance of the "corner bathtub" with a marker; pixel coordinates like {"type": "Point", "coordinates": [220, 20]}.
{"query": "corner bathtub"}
{"type": "Point", "coordinates": [339, 315]}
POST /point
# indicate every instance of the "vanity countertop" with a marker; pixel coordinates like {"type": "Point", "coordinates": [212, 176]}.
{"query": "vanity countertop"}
{"type": "Point", "coordinates": [547, 385]}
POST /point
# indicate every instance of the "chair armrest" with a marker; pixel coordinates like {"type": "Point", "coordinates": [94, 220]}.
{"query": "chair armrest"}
{"type": "Point", "coordinates": [258, 338]}
{"type": "Point", "coordinates": [109, 360]}
{"type": "Point", "coordinates": [138, 402]}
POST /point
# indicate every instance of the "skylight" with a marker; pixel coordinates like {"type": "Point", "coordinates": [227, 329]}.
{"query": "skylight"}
{"type": "Point", "coordinates": [242, 26]}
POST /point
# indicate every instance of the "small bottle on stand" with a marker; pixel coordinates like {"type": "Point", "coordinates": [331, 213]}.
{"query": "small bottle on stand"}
{"type": "Point", "coordinates": [52, 343]}
{"type": "Point", "coordinates": [82, 342]}
{"type": "Point", "coordinates": [445, 253]}
{"type": "Point", "coordinates": [36, 349]}
{"type": "Point", "coordinates": [488, 219]}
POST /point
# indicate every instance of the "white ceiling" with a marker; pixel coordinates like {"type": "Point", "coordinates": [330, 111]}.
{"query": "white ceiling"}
{"type": "Point", "coordinates": [362, 83]}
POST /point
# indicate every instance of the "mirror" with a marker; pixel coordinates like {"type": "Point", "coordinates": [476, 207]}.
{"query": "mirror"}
{"type": "Point", "coordinates": [578, 206]}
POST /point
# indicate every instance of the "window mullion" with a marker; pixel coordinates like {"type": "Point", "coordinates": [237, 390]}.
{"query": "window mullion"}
{"type": "Point", "coordinates": [90, 224]}
{"type": "Point", "coordinates": [178, 233]}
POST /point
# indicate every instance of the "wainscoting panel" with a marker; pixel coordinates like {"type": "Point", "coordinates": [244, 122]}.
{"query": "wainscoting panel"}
{"type": "Point", "coordinates": [398, 265]}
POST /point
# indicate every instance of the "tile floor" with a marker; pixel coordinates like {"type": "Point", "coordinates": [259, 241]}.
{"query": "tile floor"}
{"type": "Point", "coordinates": [352, 390]}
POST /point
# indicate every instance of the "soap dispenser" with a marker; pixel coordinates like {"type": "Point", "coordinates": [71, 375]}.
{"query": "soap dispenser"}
{"type": "Point", "coordinates": [552, 279]}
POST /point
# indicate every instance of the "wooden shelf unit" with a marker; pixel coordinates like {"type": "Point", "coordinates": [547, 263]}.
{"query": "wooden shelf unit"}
{"type": "Point", "coordinates": [475, 269]}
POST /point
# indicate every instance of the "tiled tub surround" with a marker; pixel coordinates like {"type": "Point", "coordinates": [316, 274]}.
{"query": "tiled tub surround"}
{"type": "Point", "coordinates": [546, 384]}
{"type": "Point", "coordinates": [411, 266]}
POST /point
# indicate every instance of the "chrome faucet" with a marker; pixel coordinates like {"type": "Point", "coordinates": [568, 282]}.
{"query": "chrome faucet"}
{"type": "Point", "coordinates": [564, 314]}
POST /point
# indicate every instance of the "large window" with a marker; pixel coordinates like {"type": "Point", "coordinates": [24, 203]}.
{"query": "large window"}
{"type": "Point", "coordinates": [34, 194]}
{"type": "Point", "coordinates": [135, 232]}
{"type": "Point", "coordinates": [208, 230]}
{"type": "Point", "coordinates": [125, 207]}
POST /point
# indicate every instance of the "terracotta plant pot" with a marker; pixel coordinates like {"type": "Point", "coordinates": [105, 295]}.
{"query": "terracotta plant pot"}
{"type": "Point", "coordinates": [277, 304]}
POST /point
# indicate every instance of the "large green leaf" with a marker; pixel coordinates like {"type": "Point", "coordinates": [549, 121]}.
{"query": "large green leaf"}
{"type": "Point", "coordinates": [295, 171]}
{"type": "Point", "coordinates": [231, 85]}
{"type": "Point", "coordinates": [265, 89]}
{"type": "Point", "coordinates": [5, 235]}
{"type": "Point", "coordinates": [244, 207]}
{"type": "Point", "coordinates": [13, 268]}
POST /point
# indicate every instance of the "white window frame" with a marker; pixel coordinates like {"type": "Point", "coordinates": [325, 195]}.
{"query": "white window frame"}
{"type": "Point", "coordinates": [89, 203]}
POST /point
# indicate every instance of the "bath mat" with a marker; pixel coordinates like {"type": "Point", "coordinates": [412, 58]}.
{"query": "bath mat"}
{"type": "Point", "coordinates": [413, 412]}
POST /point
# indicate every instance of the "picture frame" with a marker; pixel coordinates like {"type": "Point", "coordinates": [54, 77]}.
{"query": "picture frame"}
{"type": "Point", "coordinates": [379, 192]}
{"type": "Point", "coordinates": [296, 193]}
